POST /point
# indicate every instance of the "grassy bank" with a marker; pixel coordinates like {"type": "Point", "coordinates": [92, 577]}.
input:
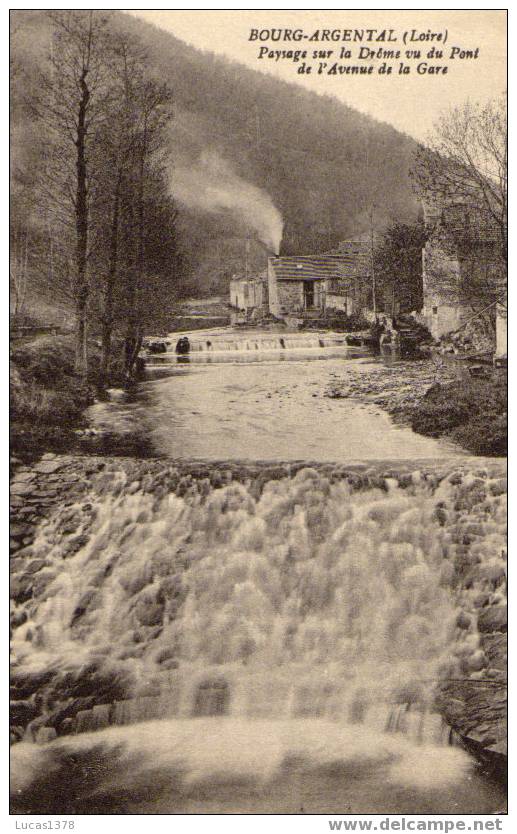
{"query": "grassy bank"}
{"type": "Point", "coordinates": [472, 412]}
{"type": "Point", "coordinates": [47, 397]}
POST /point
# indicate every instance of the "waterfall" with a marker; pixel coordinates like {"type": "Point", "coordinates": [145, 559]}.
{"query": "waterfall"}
{"type": "Point", "coordinates": [297, 598]}
{"type": "Point", "coordinates": [306, 616]}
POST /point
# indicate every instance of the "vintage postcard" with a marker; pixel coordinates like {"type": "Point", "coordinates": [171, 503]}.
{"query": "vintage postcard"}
{"type": "Point", "coordinates": [258, 358]}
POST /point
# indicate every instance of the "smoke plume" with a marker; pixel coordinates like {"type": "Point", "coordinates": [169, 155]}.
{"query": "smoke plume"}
{"type": "Point", "coordinates": [211, 185]}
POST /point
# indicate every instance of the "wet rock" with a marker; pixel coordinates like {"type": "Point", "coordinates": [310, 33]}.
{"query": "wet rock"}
{"type": "Point", "coordinates": [498, 487]}
{"type": "Point", "coordinates": [476, 661]}
{"type": "Point", "coordinates": [495, 646]}
{"type": "Point", "coordinates": [170, 664]}
{"type": "Point", "coordinates": [23, 477]}
{"type": "Point", "coordinates": [495, 575]}
{"type": "Point", "coordinates": [66, 727]}
{"type": "Point", "coordinates": [17, 618]}
{"type": "Point", "coordinates": [16, 734]}
{"type": "Point", "coordinates": [481, 600]}
{"type": "Point", "coordinates": [146, 633]}
{"type": "Point", "coordinates": [21, 488]}
{"type": "Point", "coordinates": [40, 582]}
{"type": "Point", "coordinates": [73, 545]}
{"type": "Point", "coordinates": [167, 653]}
{"type": "Point", "coordinates": [35, 566]}
{"type": "Point", "coordinates": [21, 712]}
{"type": "Point", "coordinates": [43, 494]}
{"type": "Point", "coordinates": [25, 684]}
{"type": "Point", "coordinates": [18, 531]}
{"type": "Point", "coordinates": [493, 619]}
{"type": "Point", "coordinates": [463, 620]}
{"type": "Point", "coordinates": [21, 588]}
{"type": "Point", "coordinates": [83, 605]}
{"type": "Point", "coordinates": [48, 467]}
{"type": "Point", "coordinates": [149, 613]}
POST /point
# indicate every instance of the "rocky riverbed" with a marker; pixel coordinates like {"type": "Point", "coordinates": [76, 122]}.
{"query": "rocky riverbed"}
{"type": "Point", "coordinates": [55, 503]}
{"type": "Point", "coordinates": [396, 388]}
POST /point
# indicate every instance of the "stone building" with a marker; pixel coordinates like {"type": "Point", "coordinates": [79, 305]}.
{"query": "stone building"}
{"type": "Point", "coordinates": [309, 285]}
{"type": "Point", "coordinates": [464, 274]}
{"type": "Point", "coordinates": [248, 294]}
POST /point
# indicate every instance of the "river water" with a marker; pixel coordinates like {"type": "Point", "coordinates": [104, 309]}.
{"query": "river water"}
{"type": "Point", "coordinates": [260, 404]}
{"type": "Point", "coordinates": [269, 645]}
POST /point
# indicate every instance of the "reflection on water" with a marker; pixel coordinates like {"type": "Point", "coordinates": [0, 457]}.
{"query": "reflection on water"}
{"type": "Point", "coordinates": [272, 409]}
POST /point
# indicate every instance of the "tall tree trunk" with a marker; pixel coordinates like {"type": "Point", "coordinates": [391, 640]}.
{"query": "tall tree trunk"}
{"type": "Point", "coordinates": [134, 330]}
{"type": "Point", "coordinates": [107, 321]}
{"type": "Point", "coordinates": [131, 267]}
{"type": "Point", "coordinates": [81, 225]}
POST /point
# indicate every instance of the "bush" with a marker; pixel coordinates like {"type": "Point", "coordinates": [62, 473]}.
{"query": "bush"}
{"type": "Point", "coordinates": [441, 409]}
{"type": "Point", "coordinates": [473, 412]}
{"type": "Point", "coordinates": [46, 360]}
{"type": "Point", "coordinates": [484, 435]}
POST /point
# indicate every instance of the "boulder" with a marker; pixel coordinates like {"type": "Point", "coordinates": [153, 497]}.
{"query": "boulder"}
{"type": "Point", "coordinates": [492, 619]}
{"type": "Point", "coordinates": [476, 662]}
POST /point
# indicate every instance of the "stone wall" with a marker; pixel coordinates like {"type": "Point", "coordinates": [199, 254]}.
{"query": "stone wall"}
{"type": "Point", "coordinates": [441, 312]}
{"type": "Point", "coordinates": [290, 296]}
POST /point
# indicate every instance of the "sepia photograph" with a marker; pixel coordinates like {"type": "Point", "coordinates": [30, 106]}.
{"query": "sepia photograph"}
{"type": "Point", "coordinates": [258, 272]}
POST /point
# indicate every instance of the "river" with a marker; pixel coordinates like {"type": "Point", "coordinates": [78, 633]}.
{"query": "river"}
{"type": "Point", "coordinates": [267, 404]}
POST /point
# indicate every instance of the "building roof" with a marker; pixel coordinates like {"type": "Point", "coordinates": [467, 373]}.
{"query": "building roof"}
{"type": "Point", "coordinates": [350, 262]}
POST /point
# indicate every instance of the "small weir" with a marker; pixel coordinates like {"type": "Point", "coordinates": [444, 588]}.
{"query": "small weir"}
{"type": "Point", "coordinates": [227, 346]}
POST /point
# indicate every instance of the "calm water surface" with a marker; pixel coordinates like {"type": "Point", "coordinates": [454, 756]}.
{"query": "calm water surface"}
{"type": "Point", "coordinates": [261, 407]}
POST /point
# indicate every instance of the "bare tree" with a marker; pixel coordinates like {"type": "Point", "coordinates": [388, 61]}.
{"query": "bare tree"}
{"type": "Point", "coordinates": [462, 177]}
{"type": "Point", "coordinates": [118, 147]}
{"type": "Point", "coordinates": [153, 112]}
{"type": "Point", "coordinates": [73, 104]}
{"type": "Point", "coordinates": [18, 268]}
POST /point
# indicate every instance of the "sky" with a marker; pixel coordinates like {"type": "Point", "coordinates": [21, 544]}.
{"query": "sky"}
{"type": "Point", "coordinates": [411, 103]}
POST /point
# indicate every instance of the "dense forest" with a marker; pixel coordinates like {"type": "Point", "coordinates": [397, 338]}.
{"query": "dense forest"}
{"type": "Point", "coordinates": [244, 155]}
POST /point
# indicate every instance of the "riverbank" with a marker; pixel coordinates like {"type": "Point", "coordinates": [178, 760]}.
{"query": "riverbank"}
{"type": "Point", "coordinates": [48, 399]}
{"type": "Point", "coordinates": [462, 506]}
{"type": "Point", "coordinates": [433, 399]}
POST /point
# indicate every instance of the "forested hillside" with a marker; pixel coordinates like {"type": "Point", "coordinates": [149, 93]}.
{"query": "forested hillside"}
{"type": "Point", "coordinates": [248, 153]}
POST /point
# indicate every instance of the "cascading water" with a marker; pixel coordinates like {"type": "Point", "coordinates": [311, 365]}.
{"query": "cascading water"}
{"type": "Point", "coordinates": [225, 345]}
{"type": "Point", "coordinates": [309, 619]}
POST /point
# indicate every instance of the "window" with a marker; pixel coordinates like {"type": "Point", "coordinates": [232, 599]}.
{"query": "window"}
{"type": "Point", "coordinates": [435, 311]}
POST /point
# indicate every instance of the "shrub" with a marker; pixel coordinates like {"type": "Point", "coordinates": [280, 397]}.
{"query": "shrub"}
{"type": "Point", "coordinates": [46, 360]}
{"type": "Point", "coordinates": [484, 435]}
{"type": "Point", "coordinates": [473, 412]}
